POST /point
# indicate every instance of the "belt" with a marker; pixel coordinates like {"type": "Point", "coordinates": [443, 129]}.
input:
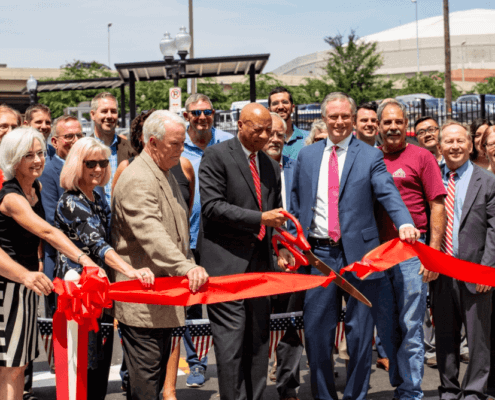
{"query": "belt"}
{"type": "Point", "coordinates": [324, 242]}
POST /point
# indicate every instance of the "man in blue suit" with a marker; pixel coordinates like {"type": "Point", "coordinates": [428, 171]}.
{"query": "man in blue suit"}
{"type": "Point", "coordinates": [335, 184]}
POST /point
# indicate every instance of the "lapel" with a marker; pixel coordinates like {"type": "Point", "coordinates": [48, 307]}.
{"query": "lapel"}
{"type": "Point", "coordinates": [352, 151]}
{"type": "Point", "coordinates": [161, 177]}
{"type": "Point", "coordinates": [472, 192]}
{"type": "Point", "coordinates": [58, 164]}
{"type": "Point", "coordinates": [239, 157]}
{"type": "Point", "coordinates": [316, 158]}
{"type": "Point", "coordinates": [265, 165]}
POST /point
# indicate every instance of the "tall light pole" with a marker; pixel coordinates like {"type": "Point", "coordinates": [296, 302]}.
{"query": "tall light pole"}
{"type": "Point", "coordinates": [191, 52]}
{"type": "Point", "coordinates": [109, 25]}
{"type": "Point", "coordinates": [462, 56]}
{"type": "Point", "coordinates": [417, 32]}
{"type": "Point", "coordinates": [448, 73]}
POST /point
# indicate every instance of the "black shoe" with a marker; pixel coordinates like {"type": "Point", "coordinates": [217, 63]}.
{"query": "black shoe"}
{"type": "Point", "coordinates": [465, 358]}
{"type": "Point", "coordinates": [29, 396]}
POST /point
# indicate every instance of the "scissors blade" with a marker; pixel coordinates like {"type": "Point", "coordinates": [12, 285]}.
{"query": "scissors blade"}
{"type": "Point", "coordinates": [339, 280]}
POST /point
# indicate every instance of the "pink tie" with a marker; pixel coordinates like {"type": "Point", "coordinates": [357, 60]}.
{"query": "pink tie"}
{"type": "Point", "coordinates": [447, 245]}
{"type": "Point", "coordinates": [257, 186]}
{"type": "Point", "coordinates": [333, 196]}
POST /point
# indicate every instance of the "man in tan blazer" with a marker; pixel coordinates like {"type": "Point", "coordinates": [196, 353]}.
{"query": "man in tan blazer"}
{"type": "Point", "coordinates": [150, 228]}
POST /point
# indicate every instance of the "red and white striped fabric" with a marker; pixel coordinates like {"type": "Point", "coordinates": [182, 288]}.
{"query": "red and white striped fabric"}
{"type": "Point", "coordinates": [447, 244]}
{"type": "Point", "coordinates": [257, 186]}
{"type": "Point", "coordinates": [339, 334]}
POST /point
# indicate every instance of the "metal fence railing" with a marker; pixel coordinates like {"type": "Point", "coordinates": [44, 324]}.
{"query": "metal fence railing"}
{"type": "Point", "coordinates": [462, 111]}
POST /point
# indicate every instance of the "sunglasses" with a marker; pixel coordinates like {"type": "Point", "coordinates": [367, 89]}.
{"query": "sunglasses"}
{"type": "Point", "coordinates": [92, 163]}
{"type": "Point", "coordinates": [197, 113]}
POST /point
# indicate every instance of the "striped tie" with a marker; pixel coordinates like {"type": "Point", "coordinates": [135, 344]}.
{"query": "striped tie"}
{"type": "Point", "coordinates": [447, 245]}
{"type": "Point", "coordinates": [257, 185]}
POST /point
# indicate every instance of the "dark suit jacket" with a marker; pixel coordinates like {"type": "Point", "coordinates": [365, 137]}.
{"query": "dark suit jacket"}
{"type": "Point", "coordinates": [364, 178]}
{"type": "Point", "coordinates": [477, 225]}
{"type": "Point", "coordinates": [50, 195]}
{"type": "Point", "coordinates": [230, 214]}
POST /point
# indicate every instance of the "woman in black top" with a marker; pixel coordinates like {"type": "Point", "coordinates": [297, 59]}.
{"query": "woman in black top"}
{"type": "Point", "coordinates": [22, 159]}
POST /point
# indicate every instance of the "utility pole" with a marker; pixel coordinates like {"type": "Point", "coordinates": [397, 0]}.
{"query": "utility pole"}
{"type": "Point", "coordinates": [448, 74]}
{"type": "Point", "coordinates": [191, 51]}
{"type": "Point", "coordinates": [109, 25]}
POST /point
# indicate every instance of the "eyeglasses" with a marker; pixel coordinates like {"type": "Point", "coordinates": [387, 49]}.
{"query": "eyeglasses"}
{"type": "Point", "coordinates": [30, 156]}
{"type": "Point", "coordinates": [71, 136]}
{"type": "Point", "coordinates": [431, 129]}
{"type": "Point", "coordinates": [197, 113]}
{"type": "Point", "coordinates": [92, 163]}
{"type": "Point", "coordinates": [489, 145]}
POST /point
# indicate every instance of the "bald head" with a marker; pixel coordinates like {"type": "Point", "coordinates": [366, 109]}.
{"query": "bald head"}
{"type": "Point", "coordinates": [255, 127]}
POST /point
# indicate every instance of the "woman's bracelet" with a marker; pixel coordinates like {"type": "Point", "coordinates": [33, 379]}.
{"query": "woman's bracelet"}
{"type": "Point", "coordinates": [80, 255]}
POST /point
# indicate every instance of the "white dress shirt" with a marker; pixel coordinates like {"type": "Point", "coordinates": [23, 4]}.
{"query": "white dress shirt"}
{"type": "Point", "coordinates": [248, 153]}
{"type": "Point", "coordinates": [282, 178]}
{"type": "Point", "coordinates": [319, 226]}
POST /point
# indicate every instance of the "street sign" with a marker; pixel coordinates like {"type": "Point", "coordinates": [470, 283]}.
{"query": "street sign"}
{"type": "Point", "coordinates": [175, 100]}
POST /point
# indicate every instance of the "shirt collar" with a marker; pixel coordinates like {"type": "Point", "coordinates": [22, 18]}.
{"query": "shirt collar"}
{"type": "Point", "coordinates": [460, 171]}
{"type": "Point", "coordinates": [114, 141]}
{"type": "Point", "coordinates": [296, 135]}
{"type": "Point", "coordinates": [246, 151]}
{"type": "Point", "coordinates": [343, 144]}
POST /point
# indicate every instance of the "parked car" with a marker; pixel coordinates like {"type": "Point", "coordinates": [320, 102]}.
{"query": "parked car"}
{"type": "Point", "coordinates": [468, 107]}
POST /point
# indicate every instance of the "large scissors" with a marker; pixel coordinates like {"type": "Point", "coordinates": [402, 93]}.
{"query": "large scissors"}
{"type": "Point", "coordinates": [305, 257]}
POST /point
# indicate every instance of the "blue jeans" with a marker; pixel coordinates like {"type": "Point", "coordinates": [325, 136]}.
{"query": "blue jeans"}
{"type": "Point", "coordinates": [193, 312]}
{"type": "Point", "coordinates": [402, 306]}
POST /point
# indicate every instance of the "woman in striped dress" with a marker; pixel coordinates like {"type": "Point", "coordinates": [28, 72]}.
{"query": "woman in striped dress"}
{"type": "Point", "coordinates": [22, 225]}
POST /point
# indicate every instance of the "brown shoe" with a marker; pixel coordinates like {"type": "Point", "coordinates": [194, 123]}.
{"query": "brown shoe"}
{"type": "Point", "coordinates": [431, 362]}
{"type": "Point", "coordinates": [273, 372]}
{"type": "Point", "coordinates": [382, 363]}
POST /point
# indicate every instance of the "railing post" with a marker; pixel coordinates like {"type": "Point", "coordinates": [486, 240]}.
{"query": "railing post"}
{"type": "Point", "coordinates": [482, 105]}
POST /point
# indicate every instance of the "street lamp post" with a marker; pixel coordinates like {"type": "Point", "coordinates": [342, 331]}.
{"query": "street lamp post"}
{"type": "Point", "coordinates": [176, 69]}
{"type": "Point", "coordinates": [417, 32]}
{"type": "Point", "coordinates": [109, 25]}
{"type": "Point", "coordinates": [31, 86]}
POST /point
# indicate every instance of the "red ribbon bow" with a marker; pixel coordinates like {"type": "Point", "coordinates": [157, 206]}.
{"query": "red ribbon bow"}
{"type": "Point", "coordinates": [85, 301]}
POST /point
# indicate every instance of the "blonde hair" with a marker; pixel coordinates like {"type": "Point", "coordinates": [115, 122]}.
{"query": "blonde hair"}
{"type": "Point", "coordinates": [15, 145]}
{"type": "Point", "coordinates": [72, 171]}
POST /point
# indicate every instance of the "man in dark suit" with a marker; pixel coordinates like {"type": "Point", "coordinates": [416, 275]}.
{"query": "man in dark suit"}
{"type": "Point", "coordinates": [334, 186]}
{"type": "Point", "coordinates": [240, 202]}
{"type": "Point", "coordinates": [470, 236]}
{"type": "Point", "coordinates": [285, 371]}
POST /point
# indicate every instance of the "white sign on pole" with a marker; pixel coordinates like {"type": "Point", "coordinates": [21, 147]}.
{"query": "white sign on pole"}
{"type": "Point", "coordinates": [175, 100]}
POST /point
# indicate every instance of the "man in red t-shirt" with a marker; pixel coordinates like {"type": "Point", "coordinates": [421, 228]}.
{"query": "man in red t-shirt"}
{"type": "Point", "coordinates": [418, 178]}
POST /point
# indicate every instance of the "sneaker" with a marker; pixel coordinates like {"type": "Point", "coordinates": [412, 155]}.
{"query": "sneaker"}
{"type": "Point", "coordinates": [431, 362]}
{"type": "Point", "coordinates": [196, 378]}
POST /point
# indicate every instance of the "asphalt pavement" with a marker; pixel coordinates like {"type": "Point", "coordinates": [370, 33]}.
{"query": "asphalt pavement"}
{"type": "Point", "coordinates": [380, 389]}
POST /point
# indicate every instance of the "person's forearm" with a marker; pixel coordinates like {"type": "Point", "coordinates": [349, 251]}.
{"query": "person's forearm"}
{"type": "Point", "coordinates": [113, 260]}
{"type": "Point", "coordinates": [65, 246]}
{"type": "Point", "coordinates": [438, 220]}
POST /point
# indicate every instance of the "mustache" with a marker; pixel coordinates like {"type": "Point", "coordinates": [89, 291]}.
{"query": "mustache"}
{"type": "Point", "coordinates": [394, 132]}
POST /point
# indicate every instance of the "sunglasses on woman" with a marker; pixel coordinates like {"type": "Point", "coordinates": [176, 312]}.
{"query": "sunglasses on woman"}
{"type": "Point", "coordinates": [92, 163]}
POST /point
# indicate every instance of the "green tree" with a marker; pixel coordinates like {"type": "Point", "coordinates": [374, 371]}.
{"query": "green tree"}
{"type": "Point", "coordinates": [433, 84]}
{"type": "Point", "coordinates": [264, 84]}
{"type": "Point", "coordinates": [352, 66]}
{"type": "Point", "coordinates": [487, 87]}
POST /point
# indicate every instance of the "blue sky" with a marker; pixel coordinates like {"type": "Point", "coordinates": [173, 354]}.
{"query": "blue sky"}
{"type": "Point", "coordinates": [49, 33]}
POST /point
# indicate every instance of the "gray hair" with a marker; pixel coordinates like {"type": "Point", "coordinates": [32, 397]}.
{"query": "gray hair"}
{"type": "Point", "coordinates": [451, 122]}
{"type": "Point", "coordinates": [15, 145]}
{"type": "Point", "coordinates": [274, 114]}
{"type": "Point", "coordinates": [318, 124]}
{"type": "Point", "coordinates": [391, 102]}
{"type": "Point", "coordinates": [62, 119]}
{"type": "Point", "coordinates": [154, 124]}
{"type": "Point", "coordinates": [337, 96]}
{"type": "Point", "coordinates": [194, 98]}
{"type": "Point", "coordinates": [103, 95]}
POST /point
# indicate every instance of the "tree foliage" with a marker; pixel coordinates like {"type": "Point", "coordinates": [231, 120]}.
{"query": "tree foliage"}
{"type": "Point", "coordinates": [352, 66]}
{"type": "Point", "coordinates": [487, 87]}
{"type": "Point", "coordinates": [433, 84]}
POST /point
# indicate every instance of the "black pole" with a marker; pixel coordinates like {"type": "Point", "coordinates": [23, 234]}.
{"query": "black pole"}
{"type": "Point", "coordinates": [122, 105]}
{"type": "Point", "coordinates": [132, 95]}
{"type": "Point", "coordinates": [423, 107]}
{"type": "Point", "coordinates": [176, 79]}
{"type": "Point", "coordinates": [482, 106]}
{"type": "Point", "coordinates": [33, 97]}
{"type": "Point", "coordinates": [252, 84]}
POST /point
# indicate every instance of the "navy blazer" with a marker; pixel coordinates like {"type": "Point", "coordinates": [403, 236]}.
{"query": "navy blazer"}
{"type": "Point", "coordinates": [364, 178]}
{"type": "Point", "coordinates": [50, 195]}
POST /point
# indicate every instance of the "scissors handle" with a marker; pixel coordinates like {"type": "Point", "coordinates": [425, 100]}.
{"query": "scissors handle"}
{"type": "Point", "coordinates": [293, 244]}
